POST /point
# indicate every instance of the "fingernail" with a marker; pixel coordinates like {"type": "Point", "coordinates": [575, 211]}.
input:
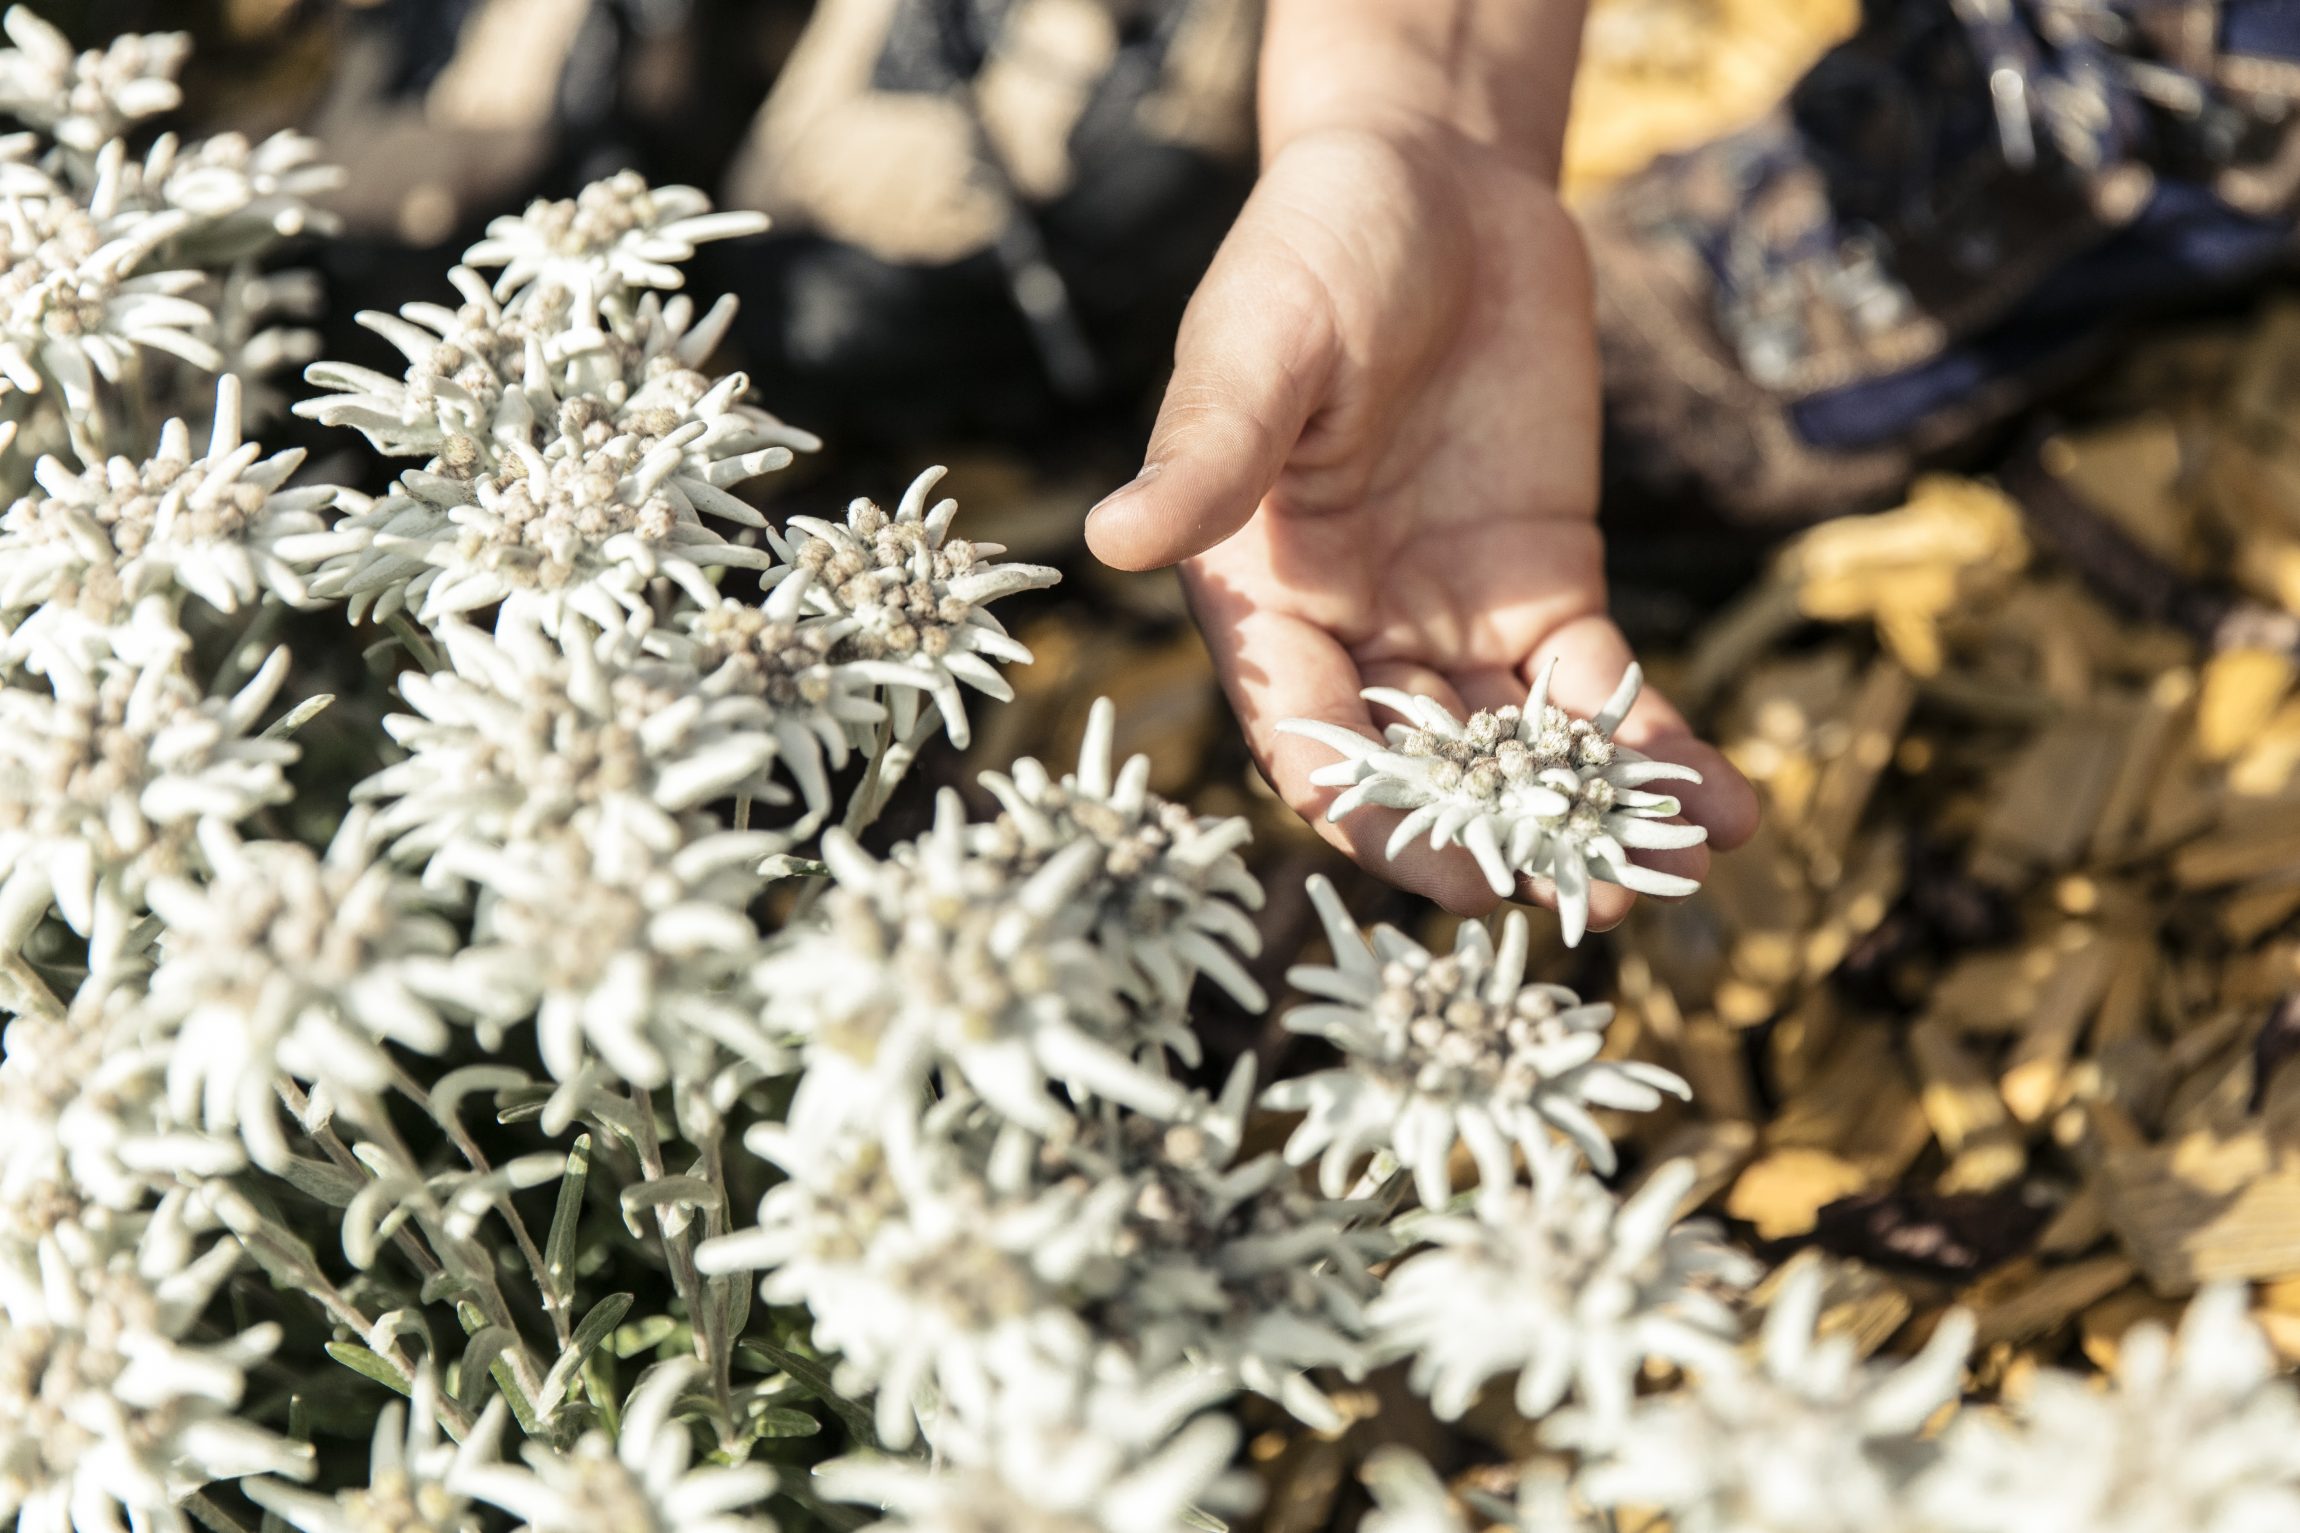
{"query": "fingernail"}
{"type": "Point", "coordinates": [1143, 476]}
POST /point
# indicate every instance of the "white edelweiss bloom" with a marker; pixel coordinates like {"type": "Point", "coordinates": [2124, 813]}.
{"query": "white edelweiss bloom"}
{"type": "Point", "coordinates": [585, 524]}
{"type": "Point", "coordinates": [414, 1480]}
{"type": "Point", "coordinates": [75, 303]}
{"type": "Point", "coordinates": [1526, 790]}
{"type": "Point", "coordinates": [86, 99]}
{"type": "Point", "coordinates": [2198, 1432]}
{"type": "Point", "coordinates": [84, 1102]}
{"type": "Point", "coordinates": [106, 1403]}
{"type": "Point", "coordinates": [1179, 1254]}
{"type": "Point", "coordinates": [243, 198]}
{"type": "Point", "coordinates": [521, 734]}
{"type": "Point", "coordinates": [938, 960]}
{"type": "Point", "coordinates": [767, 653]}
{"type": "Point", "coordinates": [613, 237]}
{"type": "Point", "coordinates": [1443, 1048]}
{"type": "Point", "coordinates": [1060, 1452]}
{"type": "Point", "coordinates": [620, 954]}
{"type": "Point", "coordinates": [1173, 896]}
{"type": "Point", "coordinates": [900, 589]}
{"type": "Point", "coordinates": [1566, 1286]}
{"type": "Point", "coordinates": [120, 777]}
{"type": "Point", "coordinates": [222, 526]}
{"type": "Point", "coordinates": [1810, 1441]}
{"type": "Point", "coordinates": [639, 1478]}
{"type": "Point", "coordinates": [478, 376]}
{"type": "Point", "coordinates": [921, 1278]}
{"type": "Point", "coordinates": [281, 961]}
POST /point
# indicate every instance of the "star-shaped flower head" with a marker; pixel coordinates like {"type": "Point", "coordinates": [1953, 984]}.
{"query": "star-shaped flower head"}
{"type": "Point", "coordinates": [111, 1398]}
{"type": "Point", "coordinates": [283, 961]}
{"type": "Point", "coordinates": [76, 301]}
{"type": "Point", "coordinates": [638, 1477]}
{"type": "Point", "coordinates": [1444, 1048]}
{"type": "Point", "coordinates": [1528, 790]}
{"type": "Point", "coordinates": [2199, 1430]}
{"type": "Point", "coordinates": [1173, 895]}
{"type": "Point", "coordinates": [1809, 1441]}
{"type": "Point", "coordinates": [414, 1479]}
{"type": "Point", "coordinates": [1567, 1287]}
{"type": "Point", "coordinates": [122, 776]}
{"type": "Point", "coordinates": [613, 237]}
{"type": "Point", "coordinates": [222, 526]}
{"type": "Point", "coordinates": [940, 960]}
{"type": "Point", "coordinates": [900, 589]}
{"type": "Point", "coordinates": [1180, 1253]}
{"type": "Point", "coordinates": [921, 1277]}
{"type": "Point", "coordinates": [522, 734]}
{"type": "Point", "coordinates": [86, 99]}
{"type": "Point", "coordinates": [1058, 1452]}
{"type": "Point", "coordinates": [630, 960]}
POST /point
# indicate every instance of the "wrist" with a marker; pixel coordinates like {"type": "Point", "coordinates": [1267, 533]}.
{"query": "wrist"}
{"type": "Point", "coordinates": [1498, 73]}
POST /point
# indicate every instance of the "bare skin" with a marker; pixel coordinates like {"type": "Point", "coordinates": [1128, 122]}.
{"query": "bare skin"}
{"type": "Point", "coordinates": [1377, 458]}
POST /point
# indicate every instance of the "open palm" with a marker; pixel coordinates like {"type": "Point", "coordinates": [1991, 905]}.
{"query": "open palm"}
{"type": "Point", "coordinates": [1378, 455]}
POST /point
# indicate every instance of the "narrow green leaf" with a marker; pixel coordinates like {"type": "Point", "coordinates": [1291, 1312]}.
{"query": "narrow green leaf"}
{"type": "Point", "coordinates": [479, 1355]}
{"type": "Point", "coordinates": [372, 1364]}
{"type": "Point", "coordinates": [324, 1180]}
{"type": "Point", "coordinates": [811, 1376]}
{"type": "Point", "coordinates": [643, 1335]}
{"type": "Point", "coordinates": [298, 716]}
{"type": "Point", "coordinates": [674, 1192]}
{"type": "Point", "coordinates": [605, 1315]}
{"type": "Point", "coordinates": [566, 1217]}
{"type": "Point", "coordinates": [780, 1421]}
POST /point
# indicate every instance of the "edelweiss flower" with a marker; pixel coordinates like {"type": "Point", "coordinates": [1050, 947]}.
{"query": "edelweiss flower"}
{"type": "Point", "coordinates": [613, 236]}
{"type": "Point", "coordinates": [1567, 1287]}
{"type": "Point", "coordinates": [84, 1102]}
{"type": "Point", "coordinates": [106, 1404]}
{"type": "Point", "coordinates": [616, 951]}
{"type": "Point", "coordinates": [585, 524]}
{"type": "Point", "coordinates": [1408, 1498]}
{"type": "Point", "coordinates": [74, 304]}
{"type": "Point", "coordinates": [900, 589]}
{"type": "Point", "coordinates": [243, 198]}
{"type": "Point", "coordinates": [938, 959]}
{"type": "Point", "coordinates": [920, 1278]}
{"type": "Point", "coordinates": [86, 99]}
{"type": "Point", "coordinates": [1060, 1454]}
{"type": "Point", "coordinates": [476, 373]}
{"type": "Point", "coordinates": [1444, 1048]}
{"type": "Point", "coordinates": [1810, 1442]}
{"type": "Point", "coordinates": [769, 654]}
{"type": "Point", "coordinates": [284, 962]}
{"type": "Point", "coordinates": [1526, 790]}
{"type": "Point", "coordinates": [1181, 1255]}
{"type": "Point", "coordinates": [1172, 899]}
{"type": "Point", "coordinates": [523, 734]}
{"type": "Point", "coordinates": [637, 1479]}
{"type": "Point", "coordinates": [2199, 1432]}
{"type": "Point", "coordinates": [113, 781]}
{"type": "Point", "coordinates": [220, 526]}
{"type": "Point", "coordinates": [414, 1480]}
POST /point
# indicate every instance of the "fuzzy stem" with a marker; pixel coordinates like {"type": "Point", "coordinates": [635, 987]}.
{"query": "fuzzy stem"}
{"type": "Point", "coordinates": [413, 638]}
{"type": "Point", "coordinates": [22, 990]}
{"type": "Point", "coordinates": [712, 1349]}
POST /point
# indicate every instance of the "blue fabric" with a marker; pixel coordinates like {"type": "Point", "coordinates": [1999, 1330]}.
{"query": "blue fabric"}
{"type": "Point", "coordinates": [2266, 28]}
{"type": "Point", "coordinates": [2183, 243]}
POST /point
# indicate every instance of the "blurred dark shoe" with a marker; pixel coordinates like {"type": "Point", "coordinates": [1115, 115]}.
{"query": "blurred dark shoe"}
{"type": "Point", "coordinates": [1955, 212]}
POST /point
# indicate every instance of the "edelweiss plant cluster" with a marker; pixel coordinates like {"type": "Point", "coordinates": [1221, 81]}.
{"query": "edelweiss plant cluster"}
{"type": "Point", "coordinates": [544, 1111]}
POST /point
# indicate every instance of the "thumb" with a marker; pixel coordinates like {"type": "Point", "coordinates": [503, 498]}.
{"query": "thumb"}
{"type": "Point", "coordinates": [1252, 363]}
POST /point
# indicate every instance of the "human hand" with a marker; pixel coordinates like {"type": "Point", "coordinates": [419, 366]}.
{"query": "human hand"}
{"type": "Point", "coordinates": [1378, 456]}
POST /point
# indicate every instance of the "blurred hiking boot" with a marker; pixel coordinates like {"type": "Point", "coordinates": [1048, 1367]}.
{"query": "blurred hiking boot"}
{"type": "Point", "coordinates": [1955, 211]}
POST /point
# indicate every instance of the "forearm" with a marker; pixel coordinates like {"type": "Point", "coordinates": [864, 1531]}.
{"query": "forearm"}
{"type": "Point", "coordinates": [1498, 71]}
